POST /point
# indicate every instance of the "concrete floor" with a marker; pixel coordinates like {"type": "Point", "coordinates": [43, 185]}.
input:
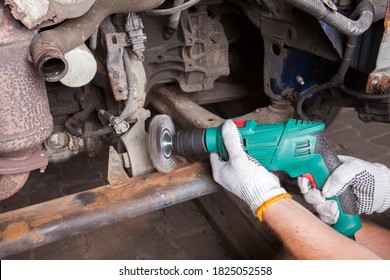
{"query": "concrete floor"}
{"type": "Point", "coordinates": [176, 232]}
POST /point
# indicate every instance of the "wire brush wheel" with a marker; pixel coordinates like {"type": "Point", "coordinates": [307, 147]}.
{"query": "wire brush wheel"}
{"type": "Point", "coordinates": [161, 132]}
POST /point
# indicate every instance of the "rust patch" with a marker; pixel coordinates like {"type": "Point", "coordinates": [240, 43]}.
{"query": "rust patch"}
{"type": "Point", "coordinates": [15, 231]}
{"type": "Point", "coordinates": [44, 220]}
{"type": "Point", "coordinates": [387, 18]}
{"type": "Point", "coordinates": [92, 200]}
{"type": "Point", "coordinates": [116, 174]}
{"type": "Point", "coordinates": [140, 186]}
{"type": "Point", "coordinates": [86, 198]}
{"type": "Point", "coordinates": [100, 201]}
{"type": "Point", "coordinates": [378, 82]}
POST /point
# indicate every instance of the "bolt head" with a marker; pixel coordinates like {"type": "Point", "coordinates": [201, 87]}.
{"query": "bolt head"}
{"type": "Point", "coordinates": [300, 80]}
{"type": "Point", "coordinates": [58, 140]}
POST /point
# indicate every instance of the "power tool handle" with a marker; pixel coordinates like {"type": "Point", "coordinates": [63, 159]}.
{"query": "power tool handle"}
{"type": "Point", "coordinates": [348, 222]}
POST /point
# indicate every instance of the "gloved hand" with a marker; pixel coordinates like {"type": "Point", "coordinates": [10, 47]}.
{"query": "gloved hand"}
{"type": "Point", "coordinates": [242, 175]}
{"type": "Point", "coordinates": [327, 209]}
{"type": "Point", "coordinates": [370, 183]}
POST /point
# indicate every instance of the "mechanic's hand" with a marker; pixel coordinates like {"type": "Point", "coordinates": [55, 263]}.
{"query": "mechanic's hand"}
{"type": "Point", "coordinates": [370, 183]}
{"type": "Point", "coordinates": [327, 209]}
{"type": "Point", "coordinates": [242, 175]}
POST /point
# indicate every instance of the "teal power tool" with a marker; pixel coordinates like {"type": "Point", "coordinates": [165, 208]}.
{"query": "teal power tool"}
{"type": "Point", "coordinates": [296, 147]}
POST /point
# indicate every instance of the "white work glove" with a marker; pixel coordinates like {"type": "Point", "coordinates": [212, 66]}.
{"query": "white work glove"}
{"type": "Point", "coordinates": [327, 209]}
{"type": "Point", "coordinates": [370, 183]}
{"type": "Point", "coordinates": [243, 175]}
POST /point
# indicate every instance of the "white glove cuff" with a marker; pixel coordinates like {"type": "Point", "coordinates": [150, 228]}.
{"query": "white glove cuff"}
{"type": "Point", "coordinates": [256, 201]}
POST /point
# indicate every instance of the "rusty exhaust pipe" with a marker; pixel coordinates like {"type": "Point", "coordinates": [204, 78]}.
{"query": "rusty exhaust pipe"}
{"type": "Point", "coordinates": [48, 48]}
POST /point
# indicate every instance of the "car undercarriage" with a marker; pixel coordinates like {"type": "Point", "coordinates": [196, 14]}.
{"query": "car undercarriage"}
{"type": "Point", "coordinates": [77, 76]}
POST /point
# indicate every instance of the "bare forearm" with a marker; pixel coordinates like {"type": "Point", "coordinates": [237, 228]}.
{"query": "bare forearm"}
{"type": "Point", "coordinates": [375, 238]}
{"type": "Point", "coordinates": [307, 237]}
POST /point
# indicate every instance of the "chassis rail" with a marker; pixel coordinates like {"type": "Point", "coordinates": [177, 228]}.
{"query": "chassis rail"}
{"type": "Point", "coordinates": [43, 223]}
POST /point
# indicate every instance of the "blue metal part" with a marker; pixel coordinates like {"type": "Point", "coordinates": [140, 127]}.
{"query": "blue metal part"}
{"type": "Point", "coordinates": [367, 48]}
{"type": "Point", "coordinates": [337, 39]}
{"type": "Point", "coordinates": [313, 70]}
{"type": "Point", "coordinates": [367, 45]}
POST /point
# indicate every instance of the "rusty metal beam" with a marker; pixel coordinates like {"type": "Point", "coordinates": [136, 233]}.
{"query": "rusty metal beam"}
{"type": "Point", "coordinates": [188, 114]}
{"type": "Point", "coordinates": [40, 224]}
{"type": "Point", "coordinates": [171, 101]}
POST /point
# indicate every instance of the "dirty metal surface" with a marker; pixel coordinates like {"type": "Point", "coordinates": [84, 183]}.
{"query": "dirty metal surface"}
{"type": "Point", "coordinates": [378, 82]}
{"type": "Point", "coordinates": [10, 184]}
{"type": "Point", "coordinates": [38, 160]}
{"type": "Point", "coordinates": [25, 119]}
{"type": "Point", "coordinates": [116, 42]}
{"type": "Point", "coordinates": [135, 141]}
{"type": "Point", "coordinates": [187, 113]}
{"type": "Point", "coordinates": [12, 30]}
{"type": "Point", "coordinates": [195, 56]}
{"type": "Point", "coordinates": [40, 224]}
{"type": "Point", "coordinates": [33, 13]}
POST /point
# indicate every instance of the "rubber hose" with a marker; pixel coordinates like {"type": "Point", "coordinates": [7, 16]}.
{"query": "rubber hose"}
{"type": "Point", "coordinates": [308, 93]}
{"type": "Point", "coordinates": [347, 59]}
{"type": "Point", "coordinates": [336, 81]}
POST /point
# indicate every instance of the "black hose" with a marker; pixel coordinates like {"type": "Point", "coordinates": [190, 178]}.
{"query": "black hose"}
{"type": "Point", "coordinates": [336, 81]}
{"type": "Point", "coordinates": [309, 92]}
{"type": "Point", "coordinates": [365, 12]}
{"type": "Point", "coordinates": [347, 59]}
{"type": "Point", "coordinates": [97, 133]}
